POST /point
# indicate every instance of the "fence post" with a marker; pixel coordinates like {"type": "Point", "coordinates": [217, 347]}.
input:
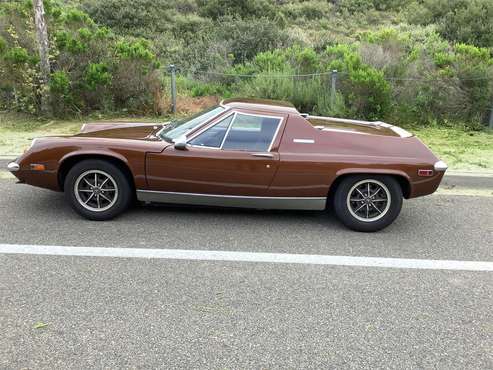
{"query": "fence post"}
{"type": "Point", "coordinates": [172, 69]}
{"type": "Point", "coordinates": [333, 84]}
{"type": "Point", "coordinates": [491, 117]}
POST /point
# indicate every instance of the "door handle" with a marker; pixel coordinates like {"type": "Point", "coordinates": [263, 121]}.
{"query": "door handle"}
{"type": "Point", "coordinates": [263, 155]}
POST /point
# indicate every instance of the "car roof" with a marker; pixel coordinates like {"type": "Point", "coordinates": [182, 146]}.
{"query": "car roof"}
{"type": "Point", "coordinates": [260, 104]}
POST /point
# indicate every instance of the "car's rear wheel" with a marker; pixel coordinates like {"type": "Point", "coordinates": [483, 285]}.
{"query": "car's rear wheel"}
{"type": "Point", "coordinates": [97, 189]}
{"type": "Point", "coordinates": [368, 202]}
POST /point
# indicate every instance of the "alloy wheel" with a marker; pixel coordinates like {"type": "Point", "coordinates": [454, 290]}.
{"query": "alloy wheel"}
{"type": "Point", "coordinates": [96, 190]}
{"type": "Point", "coordinates": [368, 200]}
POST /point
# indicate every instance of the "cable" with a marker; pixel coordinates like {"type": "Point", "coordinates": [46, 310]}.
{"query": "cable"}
{"type": "Point", "coordinates": [254, 75]}
{"type": "Point", "coordinates": [271, 76]}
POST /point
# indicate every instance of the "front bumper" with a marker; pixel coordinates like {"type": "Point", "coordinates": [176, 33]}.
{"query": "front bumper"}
{"type": "Point", "coordinates": [13, 167]}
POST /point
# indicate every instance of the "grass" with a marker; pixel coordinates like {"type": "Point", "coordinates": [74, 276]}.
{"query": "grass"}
{"type": "Point", "coordinates": [461, 149]}
{"type": "Point", "coordinates": [40, 325]}
{"type": "Point", "coordinates": [17, 131]}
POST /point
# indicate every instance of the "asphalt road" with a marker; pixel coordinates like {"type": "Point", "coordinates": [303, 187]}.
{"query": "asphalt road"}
{"type": "Point", "coordinates": [108, 312]}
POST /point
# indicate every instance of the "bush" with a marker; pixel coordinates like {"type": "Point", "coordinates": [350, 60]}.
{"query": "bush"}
{"type": "Point", "coordinates": [140, 18]}
{"type": "Point", "coordinates": [466, 21]}
{"type": "Point", "coordinates": [107, 55]}
{"type": "Point", "coordinates": [309, 10]}
{"type": "Point", "coordinates": [246, 38]}
{"type": "Point", "coordinates": [355, 6]}
{"type": "Point", "coordinates": [366, 92]}
{"type": "Point", "coordinates": [91, 68]}
{"type": "Point", "coordinates": [274, 75]}
{"type": "Point", "coordinates": [60, 83]}
{"type": "Point", "coordinates": [61, 96]}
{"type": "Point", "coordinates": [18, 55]}
{"type": "Point", "coordinates": [96, 75]}
{"type": "Point", "coordinates": [431, 80]}
{"type": "Point", "coordinates": [217, 9]}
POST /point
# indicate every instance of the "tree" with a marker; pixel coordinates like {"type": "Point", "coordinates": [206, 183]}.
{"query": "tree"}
{"type": "Point", "coordinates": [43, 47]}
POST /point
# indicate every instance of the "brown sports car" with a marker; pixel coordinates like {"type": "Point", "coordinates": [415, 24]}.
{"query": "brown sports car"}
{"type": "Point", "coordinates": [241, 153]}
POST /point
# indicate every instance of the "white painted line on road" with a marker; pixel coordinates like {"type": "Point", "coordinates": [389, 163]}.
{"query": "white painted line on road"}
{"type": "Point", "coordinates": [207, 255]}
{"type": "Point", "coordinates": [464, 191]}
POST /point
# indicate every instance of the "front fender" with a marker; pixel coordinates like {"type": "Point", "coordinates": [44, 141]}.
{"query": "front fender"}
{"type": "Point", "coordinates": [96, 153]}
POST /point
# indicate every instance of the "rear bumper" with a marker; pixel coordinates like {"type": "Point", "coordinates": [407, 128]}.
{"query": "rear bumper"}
{"type": "Point", "coordinates": [440, 166]}
{"type": "Point", "coordinates": [428, 185]}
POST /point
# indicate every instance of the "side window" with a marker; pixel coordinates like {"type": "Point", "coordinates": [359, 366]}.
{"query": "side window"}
{"type": "Point", "coordinates": [253, 133]}
{"type": "Point", "coordinates": [213, 137]}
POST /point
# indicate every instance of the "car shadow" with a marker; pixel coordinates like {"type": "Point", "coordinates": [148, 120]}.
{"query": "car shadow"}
{"type": "Point", "coordinates": [326, 218]}
{"type": "Point", "coordinates": [45, 203]}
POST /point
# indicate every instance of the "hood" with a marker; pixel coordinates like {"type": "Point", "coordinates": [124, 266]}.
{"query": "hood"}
{"type": "Point", "coordinates": [121, 130]}
{"type": "Point", "coordinates": [357, 127]}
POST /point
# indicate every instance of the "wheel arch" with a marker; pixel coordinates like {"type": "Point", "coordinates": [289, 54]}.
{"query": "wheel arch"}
{"type": "Point", "coordinates": [401, 177]}
{"type": "Point", "coordinates": [69, 161]}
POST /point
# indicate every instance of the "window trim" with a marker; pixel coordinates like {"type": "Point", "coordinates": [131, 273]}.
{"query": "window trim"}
{"type": "Point", "coordinates": [235, 113]}
{"type": "Point", "coordinates": [200, 126]}
{"type": "Point", "coordinates": [203, 129]}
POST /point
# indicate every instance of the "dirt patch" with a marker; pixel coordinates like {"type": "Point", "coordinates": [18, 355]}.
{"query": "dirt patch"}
{"type": "Point", "coordinates": [191, 105]}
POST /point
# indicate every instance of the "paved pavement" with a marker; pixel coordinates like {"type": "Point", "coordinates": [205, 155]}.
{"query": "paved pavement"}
{"type": "Point", "coordinates": [109, 312]}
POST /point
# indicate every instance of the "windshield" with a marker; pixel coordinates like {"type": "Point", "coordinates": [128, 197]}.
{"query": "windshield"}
{"type": "Point", "coordinates": [181, 127]}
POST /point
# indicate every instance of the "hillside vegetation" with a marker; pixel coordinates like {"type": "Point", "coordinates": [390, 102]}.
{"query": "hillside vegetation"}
{"type": "Point", "coordinates": [405, 61]}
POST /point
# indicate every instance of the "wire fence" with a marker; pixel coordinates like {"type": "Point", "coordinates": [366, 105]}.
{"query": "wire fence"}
{"type": "Point", "coordinates": [330, 92]}
{"type": "Point", "coordinates": [332, 72]}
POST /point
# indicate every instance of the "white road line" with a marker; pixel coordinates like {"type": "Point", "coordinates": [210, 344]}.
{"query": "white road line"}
{"type": "Point", "coordinates": [207, 255]}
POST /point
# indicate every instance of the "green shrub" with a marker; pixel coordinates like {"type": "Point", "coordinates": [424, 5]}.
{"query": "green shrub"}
{"type": "Point", "coordinates": [97, 74]}
{"type": "Point", "coordinates": [93, 69]}
{"type": "Point", "coordinates": [60, 83]}
{"type": "Point", "coordinates": [73, 15]}
{"type": "Point", "coordinates": [360, 6]}
{"type": "Point", "coordinates": [65, 41]}
{"type": "Point", "coordinates": [216, 9]}
{"type": "Point", "coordinates": [309, 10]}
{"type": "Point", "coordinates": [138, 49]}
{"type": "Point", "coordinates": [106, 55]}
{"type": "Point", "coordinates": [3, 45]}
{"type": "Point", "coordinates": [17, 55]}
{"type": "Point", "coordinates": [306, 93]}
{"type": "Point", "coordinates": [60, 91]}
{"type": "Point", "coordinates": [467, 21]}
{"type": "Point", "coordinates": [245, 38]}
{"type": "Point", "coordinates": [140, 18]}
{"type": "Point", "coordinates": [367, 93]}
{"type": "Point", "coordinates": [274, 76]}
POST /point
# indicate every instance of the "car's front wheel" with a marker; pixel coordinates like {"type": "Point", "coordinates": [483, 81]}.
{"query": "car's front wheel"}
{"type": "Point", "coordinates": [97, 189]}
{"type": "Point", "coordinates": [368, 202]}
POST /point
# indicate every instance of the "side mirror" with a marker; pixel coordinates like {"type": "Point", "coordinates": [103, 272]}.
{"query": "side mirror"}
{"type": "Point", "coordinates": [181, 143]}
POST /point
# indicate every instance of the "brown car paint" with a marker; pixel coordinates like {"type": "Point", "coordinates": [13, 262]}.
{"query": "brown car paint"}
{"type": "Point", "coordinates": [297, 169]}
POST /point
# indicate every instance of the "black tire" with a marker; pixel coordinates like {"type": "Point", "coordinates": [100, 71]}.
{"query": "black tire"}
{"type": "Point", "coordinates": [375, 214]}
{"type": "Point", "coordinates": [116, 201]}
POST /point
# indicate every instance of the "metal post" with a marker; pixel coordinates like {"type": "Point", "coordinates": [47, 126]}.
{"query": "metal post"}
{"type": "Point", "coordinates": [172, 69]}
{"type": "Point", "coordinates": [333, 84]}
{"type": "Point", "coordinates": [491, 118]}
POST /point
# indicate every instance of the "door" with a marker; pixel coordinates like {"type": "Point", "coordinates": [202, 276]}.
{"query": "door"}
{"type": "Point", "coordinates": [232, 156]}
